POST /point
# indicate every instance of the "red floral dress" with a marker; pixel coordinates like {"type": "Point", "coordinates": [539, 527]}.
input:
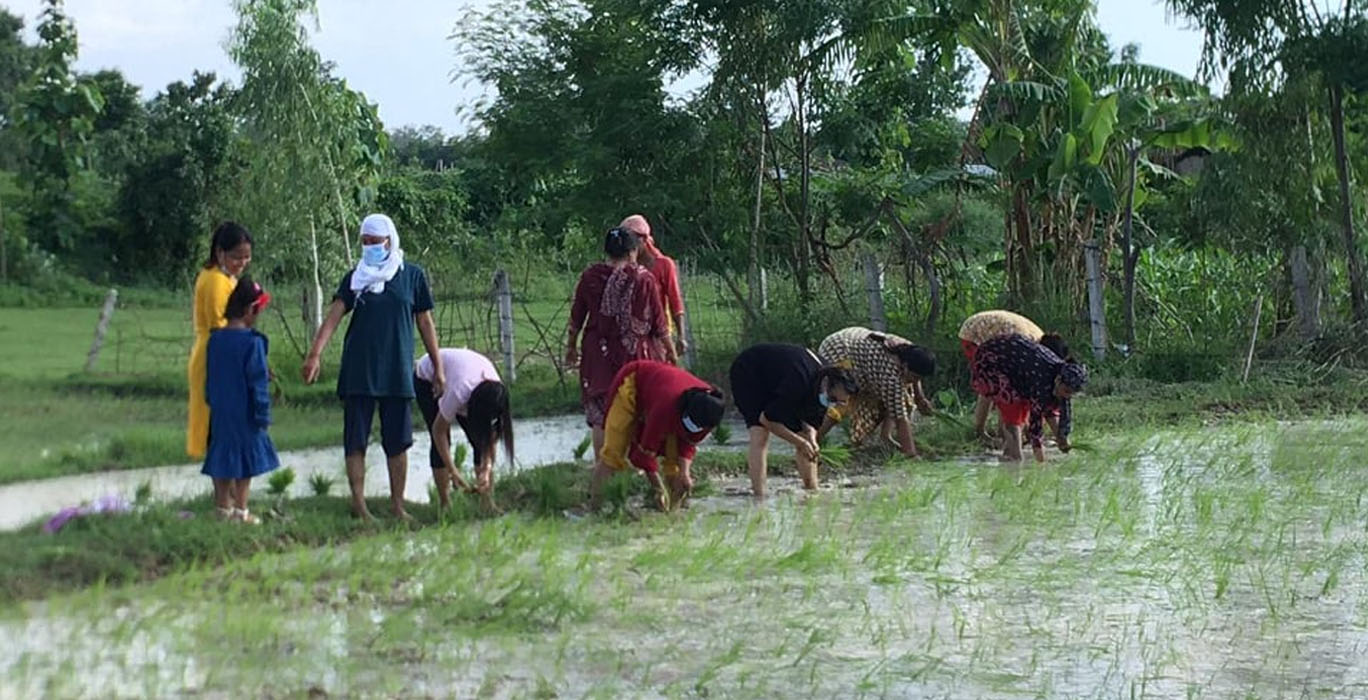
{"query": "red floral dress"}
{"type": "Point", "coordinates": [1018, 375]}
{"type": "Point", "coordinates": [620, 312]}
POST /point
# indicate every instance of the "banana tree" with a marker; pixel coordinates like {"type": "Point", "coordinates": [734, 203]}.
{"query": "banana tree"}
{"type": "Point", "coordinates": [1081, 151]}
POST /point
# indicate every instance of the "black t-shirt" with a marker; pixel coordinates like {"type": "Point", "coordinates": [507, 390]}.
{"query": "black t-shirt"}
{"type": "Point", "coordinates": [779, 381]}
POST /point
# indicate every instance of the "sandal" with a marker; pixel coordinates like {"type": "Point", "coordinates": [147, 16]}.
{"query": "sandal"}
{"type": "Point", "coordinates": [226, 513]}
{"type": "Point", "coordinates": [243, 516]}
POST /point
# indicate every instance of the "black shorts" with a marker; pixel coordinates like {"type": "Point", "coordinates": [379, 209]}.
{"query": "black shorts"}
{"type": "Point", "coordinates": [427, 404]}
{"type": "Point", "coordinates": [749, 397]}
{"type": "Point", "coordinates": [396, 424]}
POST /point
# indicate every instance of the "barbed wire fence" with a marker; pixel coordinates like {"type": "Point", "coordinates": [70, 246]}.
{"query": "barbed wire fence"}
{"type": "Point", "coordinates": [517, 313]}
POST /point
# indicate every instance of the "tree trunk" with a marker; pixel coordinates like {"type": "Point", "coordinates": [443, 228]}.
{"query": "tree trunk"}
{"type": "Point", "coordinates": [755, 269]}
{"type": "Point", "coordinates": [1304, 296]}
{"type": "Point", "coordinates": [934, 284]}
{"type": "Point", "coordinates": [313, 292]}
{"type": "Point", "coordinates": [1357, 295]}
{"type": "Point", "coordinates": [1129, 255]}
{"type": "Point", "coordinates": [1019, 248]}
{"type": "Point", "coordinates": [804, 189]}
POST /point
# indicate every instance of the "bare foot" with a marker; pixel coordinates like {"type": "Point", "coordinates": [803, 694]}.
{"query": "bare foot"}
{"type": "Point", "coordinates": [363, 515]}
{"type": "Point", "coordinates": [403, 515]}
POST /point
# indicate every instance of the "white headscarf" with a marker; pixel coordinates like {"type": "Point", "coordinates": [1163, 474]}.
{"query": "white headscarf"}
{"type": "Point", "coordinates": [372, 278]}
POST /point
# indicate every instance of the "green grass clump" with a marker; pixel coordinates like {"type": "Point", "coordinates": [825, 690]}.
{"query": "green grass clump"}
{"type": "Point", "coordinates": [321, 484]}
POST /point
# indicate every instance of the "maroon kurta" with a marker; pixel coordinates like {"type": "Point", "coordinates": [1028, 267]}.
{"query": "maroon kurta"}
{"type": "Point", "coordinates": [623, 319]}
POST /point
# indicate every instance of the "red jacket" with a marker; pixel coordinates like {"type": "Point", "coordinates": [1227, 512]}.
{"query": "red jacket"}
{"type": "Point", "coordinates": [659, 388]}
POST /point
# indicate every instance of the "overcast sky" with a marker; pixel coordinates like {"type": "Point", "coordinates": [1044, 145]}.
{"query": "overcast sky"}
{"type": "Point", "coordinates": [397, 52]}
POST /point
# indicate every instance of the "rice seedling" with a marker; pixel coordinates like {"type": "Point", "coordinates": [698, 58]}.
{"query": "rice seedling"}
{"type": "Point", "coordinates": [1093, 575]}
{"type": "Point", "coordinates": [722, 434]}
{"type": "Point", "coordinates": [583, 447]}
{"type": "Point", "coordinates": [280, 481]}
{"type": "Point", "coordinates": [321, 484]}
{"type": "Point", "coordinates": [143, 495]}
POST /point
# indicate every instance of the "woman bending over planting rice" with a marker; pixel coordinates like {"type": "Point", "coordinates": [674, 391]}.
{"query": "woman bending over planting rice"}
{"type": "Point", "coordinates": [987, 325]}
{"type": "Point", "coordinates": [784, 390]}
{"type": "Point", "coordinates": [1026, 381]}
{"type": "Point", "coordinates": [656, 410]}
{"type": "Point", "coordinates": [889, 371]}
{"type": "Point", "coordinates": [477, 400]}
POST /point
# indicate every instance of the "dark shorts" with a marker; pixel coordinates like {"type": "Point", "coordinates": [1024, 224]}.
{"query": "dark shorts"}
{"type": "Point", "coordinates": [749, 397]}
{"type": "Point", "coordinates": [427, 404]}
{"type": "Point", "coordinates": [396, 423]}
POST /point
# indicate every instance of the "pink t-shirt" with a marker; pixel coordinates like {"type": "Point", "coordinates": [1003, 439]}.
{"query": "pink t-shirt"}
{"type": "Point", "coordinates": [465, 370]}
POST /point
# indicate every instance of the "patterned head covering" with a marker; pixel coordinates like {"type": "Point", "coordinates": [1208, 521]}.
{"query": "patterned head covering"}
{"type": "Point", "coordinates": [1073, 375]}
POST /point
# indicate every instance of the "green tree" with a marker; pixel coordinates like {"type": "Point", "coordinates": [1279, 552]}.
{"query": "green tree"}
{"type": "Point", "coordinates": [170, 191]}
{"type": "Point", "coordinates": [55, 115]}
{"type": "Point", "coordinates": [15, 59]}
{"type": "Point", "coordinates": [1261, 43]}
{"type": "Point", "coordinates": [312, 147]}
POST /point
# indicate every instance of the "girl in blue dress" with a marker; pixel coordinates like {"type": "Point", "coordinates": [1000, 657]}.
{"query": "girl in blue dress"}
{"type": "Point", "coordinates": [239, 397]}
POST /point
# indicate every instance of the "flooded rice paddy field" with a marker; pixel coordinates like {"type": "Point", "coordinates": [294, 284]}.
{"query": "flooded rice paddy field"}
{"type": "Point", "coordinates": [1219, 563]}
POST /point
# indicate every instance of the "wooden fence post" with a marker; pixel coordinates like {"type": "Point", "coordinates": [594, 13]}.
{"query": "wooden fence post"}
{"type": "Point", "coordinates": [1097, 310]}
{"type": "Point", "coordinates": [503, 291]}
{"type": "Point", "coordinates": [4, 253]}
{"type": "Point", "coordinates": [1253, 338]}
{"type": "Point", "coordinates": [874, 280]}
{"type": "Point", "coordinates": [1304, 297]}
{"type": "Point", "coordinates": [101, 328]}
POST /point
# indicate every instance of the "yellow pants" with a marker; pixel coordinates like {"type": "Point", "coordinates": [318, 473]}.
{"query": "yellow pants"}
{"type": "Point", "coordinates": [620, 430]}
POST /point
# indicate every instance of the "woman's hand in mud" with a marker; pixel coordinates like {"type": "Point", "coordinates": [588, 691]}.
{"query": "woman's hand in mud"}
{"type": "Point", "coordinates": [312, 366]}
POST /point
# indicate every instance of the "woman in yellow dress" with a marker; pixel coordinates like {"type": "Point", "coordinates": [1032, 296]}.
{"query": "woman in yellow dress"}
{"type": "Point", "coordinates": [230, 250]}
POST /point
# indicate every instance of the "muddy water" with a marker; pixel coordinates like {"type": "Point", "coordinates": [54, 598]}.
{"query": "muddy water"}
{"type": "Point", "coordinates": [540, 441]}
{"type": "Point", "coordinates": [1100, 578]}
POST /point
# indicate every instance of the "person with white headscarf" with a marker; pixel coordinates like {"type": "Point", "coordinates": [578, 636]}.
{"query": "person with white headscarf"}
{"type": "Point", "coordinates": [386, 296]}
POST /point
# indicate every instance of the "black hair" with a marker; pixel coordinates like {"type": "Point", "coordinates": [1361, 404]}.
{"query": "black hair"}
{"type": "Point", "coordinates": [703, 406]}
{"type": "Point", "coordinates": [839, 376]}
{"type": "Point", "coordinates": [228, 235]}
{"type": "Point", "coordinates": [1055, 344]}
{"type": "Point", "coordinates": [619, 243]}
{"type": "Point", "coordinates": [489, 418]}
{"type": "Point", "coordinates": [917, 359]}
{"type": "Point", "coordinates": [244, 295]}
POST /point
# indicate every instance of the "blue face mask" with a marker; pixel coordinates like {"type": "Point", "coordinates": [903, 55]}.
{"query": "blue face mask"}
{"type": "Point", "coordinates": [374, 255]}
{"type": "Point", "coordinates": [825, 400]}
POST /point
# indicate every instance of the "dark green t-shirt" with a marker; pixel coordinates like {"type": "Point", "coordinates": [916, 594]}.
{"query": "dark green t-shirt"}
{"type": "Point", "coordinates": [377, 354]}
